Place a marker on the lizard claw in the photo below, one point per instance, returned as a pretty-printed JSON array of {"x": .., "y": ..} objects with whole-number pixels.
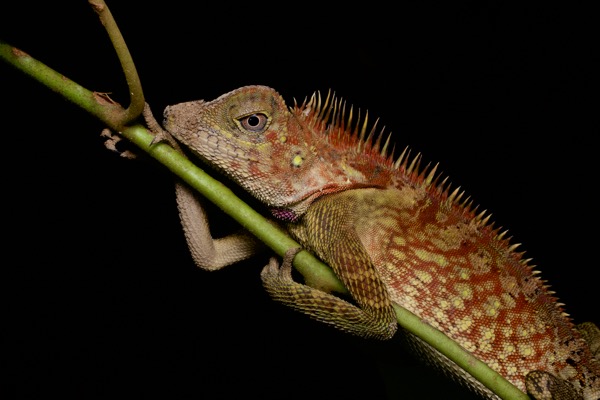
[
  {"x": 112, "y": 141},
  {"x": 272, "y": 271},
  {"x": 289, "y": 255},
  {"x": 160, "y": 135}
]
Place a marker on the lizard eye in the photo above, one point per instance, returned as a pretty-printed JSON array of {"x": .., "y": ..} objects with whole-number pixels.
[{"x": 254, "y": 122}]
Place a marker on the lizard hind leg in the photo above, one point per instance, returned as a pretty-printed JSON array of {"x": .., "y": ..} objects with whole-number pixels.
[
  {"x": 542, "y": 385},
  {"x": 319, "y": 305},
  {"x": 591, "y": 334}
]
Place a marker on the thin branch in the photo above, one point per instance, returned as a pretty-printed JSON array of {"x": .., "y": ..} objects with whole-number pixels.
[
  {"x": 136, "y": 94},
  {"x": 97, "y": 104}
]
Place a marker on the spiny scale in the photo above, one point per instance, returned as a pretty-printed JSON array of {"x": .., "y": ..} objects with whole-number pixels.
[{"x": 329, "y": 116}]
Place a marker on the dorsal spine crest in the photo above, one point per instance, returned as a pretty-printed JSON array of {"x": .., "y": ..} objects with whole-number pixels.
[{"x": 342, "y": 126}]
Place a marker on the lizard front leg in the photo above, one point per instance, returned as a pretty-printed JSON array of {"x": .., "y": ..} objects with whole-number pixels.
[
  {"x": 327, "y": 230},
  {"x": 207, "y": 252}
]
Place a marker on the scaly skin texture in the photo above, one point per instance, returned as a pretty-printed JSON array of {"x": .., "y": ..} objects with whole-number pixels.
[{"x": 392, "y": 233}]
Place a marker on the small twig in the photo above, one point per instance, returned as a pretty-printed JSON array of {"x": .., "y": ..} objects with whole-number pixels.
[{"x": 136, "y": 94}]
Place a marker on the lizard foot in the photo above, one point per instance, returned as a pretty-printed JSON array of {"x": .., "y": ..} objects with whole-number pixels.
[
  {"x": 160, "y": 135},
  {"x": 272, "y": 272},
  {"x": 544, "y": 386},
  {"x": 111, "y": 142}
]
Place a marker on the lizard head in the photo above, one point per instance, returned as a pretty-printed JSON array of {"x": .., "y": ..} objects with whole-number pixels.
[{"x": 285, "y": 157}]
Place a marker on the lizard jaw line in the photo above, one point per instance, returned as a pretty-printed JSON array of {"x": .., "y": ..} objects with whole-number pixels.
[{"x": 291, "y": 212}]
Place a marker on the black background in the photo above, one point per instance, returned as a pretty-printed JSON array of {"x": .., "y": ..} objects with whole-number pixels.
[{"x": 103, "y": 299}]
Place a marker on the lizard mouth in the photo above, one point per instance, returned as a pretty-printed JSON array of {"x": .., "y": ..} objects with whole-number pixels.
[{"x": 293, "y": 211}]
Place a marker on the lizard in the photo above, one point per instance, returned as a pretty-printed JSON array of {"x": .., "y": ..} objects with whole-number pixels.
[{"x": 393, "y": 232}]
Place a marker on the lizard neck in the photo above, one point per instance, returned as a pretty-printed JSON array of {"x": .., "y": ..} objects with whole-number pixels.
[{"x": 293, "y": 212}]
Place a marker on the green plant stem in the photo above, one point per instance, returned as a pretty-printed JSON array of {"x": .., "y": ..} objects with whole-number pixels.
[
  {"x": 136, "y": 93},
  {"x": 97, "y": 104}
]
